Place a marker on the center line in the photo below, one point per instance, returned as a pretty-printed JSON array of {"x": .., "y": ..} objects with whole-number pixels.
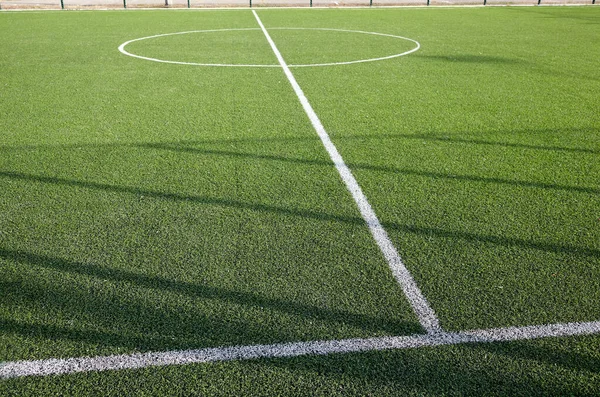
[{"x": 417, "y": 300}]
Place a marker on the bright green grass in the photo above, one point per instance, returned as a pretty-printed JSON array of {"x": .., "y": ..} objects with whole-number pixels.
[
  {"x": 220, "y": 47},
  {"x": 480, "y": 153},
  {"x": 153, "y": 207},
  {"x": 146, "y": 206},
  {"x": 237, "y": 46}
]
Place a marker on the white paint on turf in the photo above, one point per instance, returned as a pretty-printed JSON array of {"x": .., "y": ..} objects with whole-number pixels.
[
  {"x": 142, "y": 360},
  {"x": 424, "y": 312},
  {"x": 435, "y": 336},
  {"x": 416, "y": 48},
  {"x": 125, "y": 52}
]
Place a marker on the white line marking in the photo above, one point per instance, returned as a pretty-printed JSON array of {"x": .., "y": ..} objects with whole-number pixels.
[
  {"x": 125, "y": 52},
  {"x": 417, "y": 300},
  {"x": 142, "y": 360},
  {"x": 359, "y": 60}
]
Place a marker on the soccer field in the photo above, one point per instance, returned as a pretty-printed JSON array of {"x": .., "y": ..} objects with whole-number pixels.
[{"x": 297, "y": 201}]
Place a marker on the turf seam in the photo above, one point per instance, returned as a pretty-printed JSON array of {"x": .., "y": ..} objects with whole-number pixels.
[
  {"x": 65, "y": 366},
  {"x": 417, "y": 300}
]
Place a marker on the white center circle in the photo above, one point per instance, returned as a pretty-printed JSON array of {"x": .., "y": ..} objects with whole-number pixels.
[{"x": 415, "y": 48}]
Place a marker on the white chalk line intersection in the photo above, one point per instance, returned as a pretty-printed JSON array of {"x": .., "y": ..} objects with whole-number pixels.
[
  {"x": 417, "y": 300},
  {"x": 435, "y": 336},
  {"x": 47, "y": 367}
]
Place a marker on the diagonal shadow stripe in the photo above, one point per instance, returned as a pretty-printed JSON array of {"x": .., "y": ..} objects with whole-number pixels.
[
  {"x": 322, "y": 216},
  {"x": 451, "y": 140},
  {"x": 331, "y": 315},
  {"x": 433, "y": 137},
  {"x": 394, "y": 170}
]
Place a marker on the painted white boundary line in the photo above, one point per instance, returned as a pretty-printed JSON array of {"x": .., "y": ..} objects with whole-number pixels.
[
  {"x": 17, "y": 369},
  {"x": 417, "y": 300},
  {"x": 125, "y": 52}
]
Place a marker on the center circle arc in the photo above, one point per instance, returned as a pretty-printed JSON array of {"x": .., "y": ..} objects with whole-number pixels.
[{"x": 125, "y": 52}]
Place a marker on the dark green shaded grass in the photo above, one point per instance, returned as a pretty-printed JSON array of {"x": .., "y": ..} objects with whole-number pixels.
[
  {"x": 565, "y": 366},
  {"x": 479, "y": 153},
  {"x": 154, "y": 207}
]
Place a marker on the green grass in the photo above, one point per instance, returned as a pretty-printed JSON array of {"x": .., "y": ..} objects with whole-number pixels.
[
  {"x": 550, "y": 367},
  {"x": 131, "y": 222},
  {"x": 480, "y": 155},
  {"x": 149, "y": 207}
]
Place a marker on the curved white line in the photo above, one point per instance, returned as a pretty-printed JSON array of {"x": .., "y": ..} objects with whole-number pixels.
[
  {"x": 125, "y": 52},
  {"x": 359, "y": 60}
]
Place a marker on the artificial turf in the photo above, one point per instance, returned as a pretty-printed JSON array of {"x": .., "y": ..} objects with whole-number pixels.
[
  {"x": 148, "y": 206},
  {"x": 479, "y": 153},
  {"x": 550, "y": 367}
]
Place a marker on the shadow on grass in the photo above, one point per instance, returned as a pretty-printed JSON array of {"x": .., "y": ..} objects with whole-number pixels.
[
  {"x": 100, "y": 318},
  {"x": 563, "y": 14},
  {"x": 521, "y": 65},
  {"x": 536, "y": 351},
  {"x": 424, "y": 231},
  {"x": 332, "y": 316},
  {"x": 362, "y": 166},
  {"x": 452, "y": 139},
  {"x": 433, "y": 137},
  {"x": 188, "y": 147},
  {"x": 87, "y": 336},
  {"x": 497, "y": 240},
  {"x": 463, "y": 370},
  {"x": 469, "y": 369}
]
